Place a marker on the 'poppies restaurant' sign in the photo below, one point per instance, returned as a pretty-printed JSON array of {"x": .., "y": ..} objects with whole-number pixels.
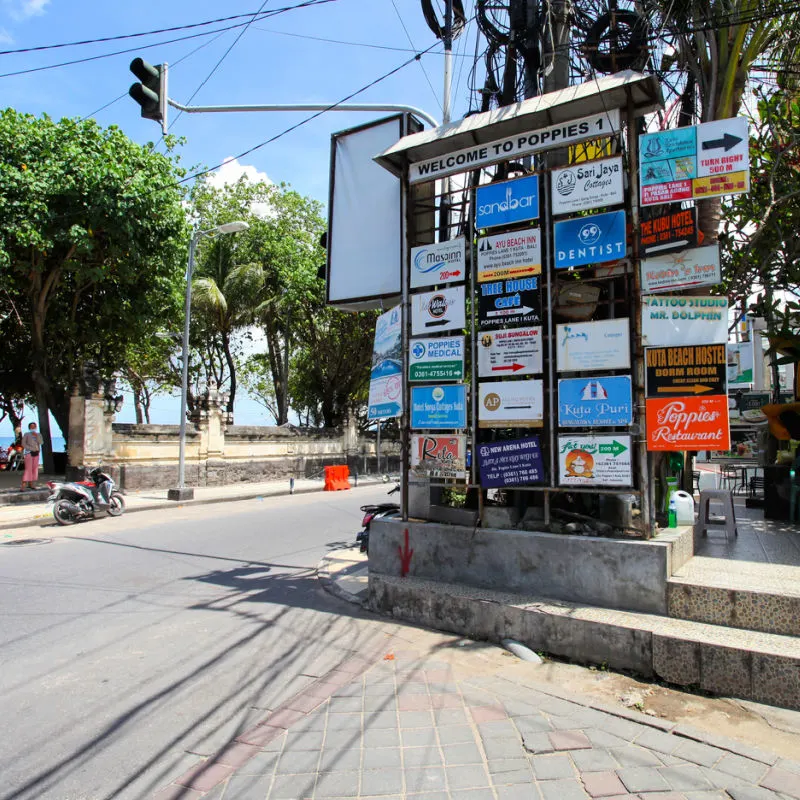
[{"x": 688, "y": 423}]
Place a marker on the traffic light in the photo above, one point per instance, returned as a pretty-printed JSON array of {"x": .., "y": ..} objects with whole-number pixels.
[{"x": 151, "y": 93}]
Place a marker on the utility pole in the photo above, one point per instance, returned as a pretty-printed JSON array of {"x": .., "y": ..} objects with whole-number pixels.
[
  {"x": 447, "y": 40},
  {"x": 555, "y": 45}
]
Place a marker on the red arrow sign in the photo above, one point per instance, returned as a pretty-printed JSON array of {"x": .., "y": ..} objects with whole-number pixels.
[
  {"x": 405, "y": 556},
  {"x": 513, "y": 367}
]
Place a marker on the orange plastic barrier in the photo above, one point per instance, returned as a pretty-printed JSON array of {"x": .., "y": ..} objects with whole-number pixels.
[{"x": 337, "y": 478}]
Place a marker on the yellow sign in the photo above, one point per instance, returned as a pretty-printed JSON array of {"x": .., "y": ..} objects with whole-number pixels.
[
  {"x": 591, "y": 150},
  {"x": 715, "y": 185}
]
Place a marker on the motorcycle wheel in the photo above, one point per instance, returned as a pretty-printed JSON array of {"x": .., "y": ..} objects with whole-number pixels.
[
  {"x": 63, "y": 513},
  {"x": 116, "y": 505}
]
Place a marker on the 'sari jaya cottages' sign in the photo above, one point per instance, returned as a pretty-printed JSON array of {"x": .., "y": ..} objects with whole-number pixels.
[
  {"x": 502, "y": 304},
  {"x": 436, "y": 359},
  {"x": 589, "y": 184},
  {"x": 386, "y": 380},
  {"x": 435, "y": 456},
  {"x": 510, "y": 404},
  {"x": 509, "y": 255},
  {"x": 676, "y": 319},
  {"x": 510, "y": 147},
  {"x": 687, "y": 370},
  {"x": 510, "y": 352},
  {"x": 436, "y": 312},
  {"x": 594, "y": 460},
  {"x": 582, "y": 346},
  {"x": 507, "y": 203},
  {"x": 595, "y": 402},
  {"x": 688, "y": 423},
  {"x": 433, "y": 264},
  {"x": 667, "y": 233},
  {"x": 590, "y": 240},
  {"x": 439, "y": 406},
  {"x": 688, "y": 269},
  {"x": 513, "y": 462}
]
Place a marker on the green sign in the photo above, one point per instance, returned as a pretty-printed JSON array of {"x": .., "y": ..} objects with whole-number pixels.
[
  {"x": 436, "y": 359},
  {"x": 615, "y": 448}
]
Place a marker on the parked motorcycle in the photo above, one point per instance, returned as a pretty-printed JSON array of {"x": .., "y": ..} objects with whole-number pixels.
[
  {"x": 80, "y": 500},
  {"x": 372, "y": 512}
]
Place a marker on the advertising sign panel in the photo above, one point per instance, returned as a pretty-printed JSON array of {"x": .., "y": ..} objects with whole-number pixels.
[
  {"x": 604, "y": 344},
  {"x": 436, "y": 312},
  {"x": 439, "y": 456},
  {"x": 590, "y": 184},
  {"x": 386, "y": 380},
  {"x": 676, "y": 319},
  {"x": 687, "y": 269},
  {"x": 510, "y": 404},
  {"x": 507, "y": 203},
  {"x": 432, "y": 264},
  {"x": 514, "y": 462},
  {"x": 594, "y": 460},
  {"x": 688, "y": 370},
  {"x": 439, "y": 406},
  {"x": 513, "y": 302},
  {"x": 740, "y": 363},
  {"x": 603, "y": 401},
  {"x": 590, "y": 240},
  {"x": 510, "y": 352},
  {"x": 688, "y": 423},
  {"x": 509, "y": 255},
  {"x": 668, "y": 232},
  {"x": 436, "y": 359},
  {"x": 515, "y": 146}
]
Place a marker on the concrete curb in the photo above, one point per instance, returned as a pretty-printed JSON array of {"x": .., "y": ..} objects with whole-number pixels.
[{"x": 329, "y": 584}]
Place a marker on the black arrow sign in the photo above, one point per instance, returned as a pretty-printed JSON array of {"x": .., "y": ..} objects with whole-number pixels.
[
  {"x": 727, "y": 141},
  {"x": 436, "y": 323}
]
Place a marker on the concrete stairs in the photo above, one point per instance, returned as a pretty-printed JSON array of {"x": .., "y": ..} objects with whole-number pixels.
[{"x": 702, "y": 654}]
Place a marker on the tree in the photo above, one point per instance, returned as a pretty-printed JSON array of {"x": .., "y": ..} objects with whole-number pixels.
[
  {"x": 92, "y": 247},
  {"x": 149, "y": 370}
]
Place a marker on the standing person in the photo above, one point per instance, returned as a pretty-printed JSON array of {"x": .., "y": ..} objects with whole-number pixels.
[{"x": 32, "y": 442}]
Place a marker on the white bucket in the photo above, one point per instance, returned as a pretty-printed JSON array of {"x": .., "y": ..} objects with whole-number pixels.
[{"x": 684, "y": 506}]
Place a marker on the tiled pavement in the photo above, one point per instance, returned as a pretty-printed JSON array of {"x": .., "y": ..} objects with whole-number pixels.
[{"x": 438, "y": 720}]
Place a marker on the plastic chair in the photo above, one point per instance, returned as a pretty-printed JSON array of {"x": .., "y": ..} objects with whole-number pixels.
[
  {"x": 729, "y": 477},
  {"x": 704, "y": 519}
]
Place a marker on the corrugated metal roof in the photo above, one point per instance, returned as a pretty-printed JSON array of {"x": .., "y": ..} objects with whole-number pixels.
[{"x": 593, "y": 97}]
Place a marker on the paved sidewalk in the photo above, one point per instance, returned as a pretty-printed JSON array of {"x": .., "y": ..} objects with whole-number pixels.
[{"x": 12, "y": 517}]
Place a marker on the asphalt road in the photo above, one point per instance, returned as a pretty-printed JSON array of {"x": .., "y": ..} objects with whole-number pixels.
[{"x": 129, "y": 646}]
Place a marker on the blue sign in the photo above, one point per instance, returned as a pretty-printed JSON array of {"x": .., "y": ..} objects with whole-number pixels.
[
  {"x": 590, "y": 240},
  {"x": 514, "y": 462},
  {"x": 439, "y": 406},
  {"x": 595, "y": 402},
  {"x": 508, "y": 202},
  {"x": 668, "y": 155}
]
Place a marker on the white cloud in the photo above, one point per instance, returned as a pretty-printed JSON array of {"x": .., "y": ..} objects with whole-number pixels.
[
  {"x": 24, "y": 9},
  {"x": 6, "y": 37},
  {"x": 232, "y": 171}
]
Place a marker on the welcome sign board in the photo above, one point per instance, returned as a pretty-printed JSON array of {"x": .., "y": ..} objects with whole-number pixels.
[
  {"x": 513, "y": 462},
  {"x": 436, "y": 359},
  {"x": 585, "y": 346},
  {"x": 432, "y": 264},
  {"x": 590, "y": 184},
  {"x": 594, "y": 460},
  {"x": 590, "y": 240},
  {"x": 507, "y": 203},
  {"x": 439, "y": 406},
  {"x": 439, "y": 456},
  {"x": 675, "y": 319},
  {"x": 502, "y": 304},
  {"x": 509, "y": 255},
  {"x": 688, "y": 269},
  {"x": 435, "y": 312},
  {"x": 510, "y": 404},
  {"x": 602, "y": 402},
  {"x": 511, "y": 352}
]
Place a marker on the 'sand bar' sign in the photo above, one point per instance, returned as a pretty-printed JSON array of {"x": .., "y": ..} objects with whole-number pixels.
[
  {"x": 481, "y": 155},
  {"x": 689, "y": 370}
]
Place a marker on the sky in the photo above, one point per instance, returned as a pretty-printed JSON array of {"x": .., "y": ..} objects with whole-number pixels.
[{"x": 265, "y": 65}]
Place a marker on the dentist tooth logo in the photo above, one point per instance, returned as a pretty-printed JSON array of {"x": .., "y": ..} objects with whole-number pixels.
[{"x": 589, "y": 233}]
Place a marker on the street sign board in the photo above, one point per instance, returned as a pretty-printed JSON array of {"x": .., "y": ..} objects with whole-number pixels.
[
  {"x": 511, "y": 302},
  {"x": 689, "y": 269},
  {"x": 595, "y": 402},
  {"x": 439, "y": 406},
  {"x": 516, "y": 146},
  {"x": 386, "y": 380},
  {"x": 590, "y": 240},
  {"x": 589, "y": 184},
  {"x": 507, "y": 202},
  {"x": 433, "y": 264},
  {"x": 688, "y": 423},
  {"x": 667, "y": 233},
  {"x": 436, "y": 359},
  {"x": 512, "y": 462},
  {"x": 688, "y": 370},
  {"x": 740, "y": 363},
  {"x": 585, "y": 346},
  {"x": 705, "y": 160},
  {"x": 436, "y": 456},
  {"x": 510, "y": 404},
  {"x": 509, "y": 255},
  {"x": 439, "y": 311},
  {"x": 677, "y": 319},
  {"x": 510, "y": 352},
  {"x": 588, "y": 460}
]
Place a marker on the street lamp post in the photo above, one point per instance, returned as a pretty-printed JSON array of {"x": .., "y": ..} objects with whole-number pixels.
[{"x": 182, "y": 492}]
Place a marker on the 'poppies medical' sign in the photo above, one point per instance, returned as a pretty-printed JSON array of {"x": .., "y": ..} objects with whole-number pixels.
[
  {"x": 436, "y": 359},
  {"x": 590, "y": 240}
]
